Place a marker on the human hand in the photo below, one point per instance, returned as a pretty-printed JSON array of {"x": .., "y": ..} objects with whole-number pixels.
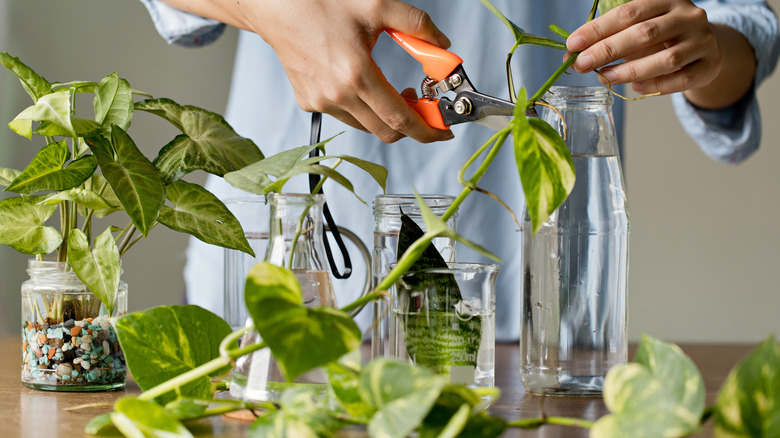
[
  {"x": 325, "y": 48},
  {"x": 668, "y": 46}
]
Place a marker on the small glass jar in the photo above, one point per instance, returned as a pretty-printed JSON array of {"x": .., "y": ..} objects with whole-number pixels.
[{"x": 68, "y": 341}]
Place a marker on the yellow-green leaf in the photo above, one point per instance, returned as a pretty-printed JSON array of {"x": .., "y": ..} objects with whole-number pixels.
[{"x": 98, "y": 269}]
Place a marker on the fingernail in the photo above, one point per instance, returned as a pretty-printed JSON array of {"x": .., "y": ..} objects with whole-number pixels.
[
  {"x": 584, "y": 63},
  {"x": 448, "y": 136},
  {"x": 575, "y": 43},
  {"x": 444, "y": 42},
  {"x": 638, "y": 87},
  {"x": 610, "y": 75}
]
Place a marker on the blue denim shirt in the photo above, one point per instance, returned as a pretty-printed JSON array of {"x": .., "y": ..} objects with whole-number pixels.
[{"x": 262, "y": 106}]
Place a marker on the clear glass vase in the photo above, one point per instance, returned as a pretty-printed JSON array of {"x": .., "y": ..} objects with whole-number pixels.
[
  {"x": 68, "y": 341},
  {"x": 575, "y": 277}
]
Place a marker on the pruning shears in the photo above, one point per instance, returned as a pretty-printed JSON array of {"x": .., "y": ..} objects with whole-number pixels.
[{"x": 445, "y": 72}]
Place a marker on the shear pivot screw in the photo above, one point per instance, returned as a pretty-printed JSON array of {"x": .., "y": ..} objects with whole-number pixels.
[
  {"x": 455, "y": 80},
  {"x": 463, "y": 106}
]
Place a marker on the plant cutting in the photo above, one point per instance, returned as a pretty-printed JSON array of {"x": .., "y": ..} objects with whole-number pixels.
[{"x": 89, "y": 168}]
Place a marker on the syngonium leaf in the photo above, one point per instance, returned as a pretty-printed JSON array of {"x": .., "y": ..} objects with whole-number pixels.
[
  {"x": 7, "y": 175},
  {"x": 82, "y": 197},
  {"x": 544, "y": 162},
  {"x": 52, "y": 108},
  {"x": 99, "y": 269},
  {"x": 661, "y": 394},
  {"x": 133, "y": 178},
  {"x": 165, "y": 341},
  {"x": 141, "y": 418},
  {"x": 46, "y": 172},
  {"x": 207, "y": 142},
  {"x": 198, "y": 212},
  {"x": 113, "y": 102},
  {"x": 98, "y": 185},
  {"x": 81, "y": 126},
  {"x": 23, "y": 226},
  {"x": 402, "y": 394},
  {"x": 300, "y": 338},
  {"x": 748, "y": 403},
  {"x": 34, "y": 84}
]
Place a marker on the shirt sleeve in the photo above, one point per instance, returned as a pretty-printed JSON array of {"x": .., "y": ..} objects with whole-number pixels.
[
  {"x": 182, "y": 28},
  {"x": 730, "y": 135}
]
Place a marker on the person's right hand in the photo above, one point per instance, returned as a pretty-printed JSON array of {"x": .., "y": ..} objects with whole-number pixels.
[{"x": 325, "y": 49}]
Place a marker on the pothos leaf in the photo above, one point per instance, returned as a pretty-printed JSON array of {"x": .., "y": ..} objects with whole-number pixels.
[
  {"x": 35, "y": 85},
  {"x": 301, "y": 415},
  {"x": 23, "y": 226},
  {"x": 141, "y": 418},
  {"x": 207, "y": 142},
  {"x": 98, "y": 269},
  {"x": 661, "y": 394},
  {"x": 748, "y": 403},
  {"x": 544, "y": 163},
  {"x": 46, "y": 172},
  {"x": 163, "y": 342},
  {"x": 300, "y": 338}
]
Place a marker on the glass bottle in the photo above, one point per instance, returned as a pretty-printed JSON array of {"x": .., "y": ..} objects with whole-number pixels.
[
  {"x": 68, "y": 341},
  {"x": 387, "y": 225},
  {"x": 575, "y": 273},
  {"x": 295, "y": 242}
]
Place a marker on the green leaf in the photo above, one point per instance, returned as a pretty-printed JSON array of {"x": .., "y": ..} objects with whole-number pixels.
[
  {"x": 376, "y": 171},
  {"x": 45, "y": 171},
  {"x": 300, "y": 338},
  {"x": 77, "y": 86},
  {"x": 98, "y": 185},
  {"x": 257, "y": 177},
  {"x": 133, "y": 178},
  {"x": 544, "y": 162},
  {"x": 52, "y": 108},
  {"x": 82, "y": 126},
  {"x": 344, "y": 383},
  {"x": 23, "y": 226},
  {"x": 451, "y": 401},
  {"x": 607, "y": 5},
  {"x": 163, "y": 342},
  {"x": 185, "y": 408},
  {"x": 145, "y": 419},
  {"x": 113, "y": 102},
  {"x": 198, "y": 212},
  {"x": 34, "y": 84},
  {"x": 660, "y": 395},
  {"x": 208, "y": 142},
  {"x": 98, "y": 269},
  {"x": 404, "y": 395},
  {"x": 517, "y": 32},
  {"x": 7, "y": 175},
  {"x": 748, "y": 403},
  {"x": 301, "y": 415},
  {"x": 101, "y": 425},
  {"x": 82, "y": 197}
]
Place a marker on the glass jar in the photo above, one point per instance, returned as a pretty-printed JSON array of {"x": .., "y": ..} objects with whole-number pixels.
[
  {"x": 68, "y": 341},
  {"x": 575, "y": 276},
  {"x": 387, "y": 225}
]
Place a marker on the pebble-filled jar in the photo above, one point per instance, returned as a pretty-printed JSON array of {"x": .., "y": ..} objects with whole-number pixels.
[{"x": 68, "y": 341}]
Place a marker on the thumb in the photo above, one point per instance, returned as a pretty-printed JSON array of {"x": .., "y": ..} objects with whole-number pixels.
[{"x": 405, "y": 18}]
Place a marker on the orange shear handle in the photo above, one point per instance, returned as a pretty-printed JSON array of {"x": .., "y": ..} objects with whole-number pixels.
[{"x": 437, "y": 63}]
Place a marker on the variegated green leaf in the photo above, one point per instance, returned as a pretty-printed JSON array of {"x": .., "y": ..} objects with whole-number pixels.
[
  {"x": 82, "y": 197},
  {"x": 748, "y": 403},
  {"x": 140, "y": 418},
  {"x": 376, "y": 171},
  {"x": 164, "y": 342},
  {"x": 34, "y": 84},
  {"x": 544, "y": 162},
  {"x": 100, "y": 186},
  {"x": 82, "y": 126},
  {"x": 402, "y": 393},
  {"x": 133, "y": 178},
  {"x": 607, "y": 5},
  {"x": 301, "y": 415},
  {"x": 98, "y": 269},
  {"x": 23, "y": 226},
  {"x": 256, "y": 177},
  {"x": 77, "y": 86},
  {"x": 199, "y": 213},
  {"x": 113, "y": 102},
  {"x": 661, "y": 394},
  {"x": 7, "y": 175},
  {"x": 300, "y": 338},
  {"x": 46, "y": 171},
  {"x": 52, "y": 108},
  {"x": 208, "y": 142}
]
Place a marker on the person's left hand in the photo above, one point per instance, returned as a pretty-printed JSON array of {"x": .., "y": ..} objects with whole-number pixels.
[{"x": 668, "y": 46}]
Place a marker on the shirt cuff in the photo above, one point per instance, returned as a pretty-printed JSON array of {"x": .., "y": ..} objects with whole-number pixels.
[{"x": 182, "y": 28}]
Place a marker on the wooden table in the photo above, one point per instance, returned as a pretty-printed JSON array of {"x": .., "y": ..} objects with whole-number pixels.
[{"x": 27, "y": 413}]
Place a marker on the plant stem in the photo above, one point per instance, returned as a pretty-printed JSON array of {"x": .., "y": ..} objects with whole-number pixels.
[
  {"x": 130, "y": 230},
  {"x": 369, "y": 297},
  {"x": 534, "y": 423}
]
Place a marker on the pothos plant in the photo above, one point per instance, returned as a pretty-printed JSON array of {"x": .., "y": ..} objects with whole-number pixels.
[{"x": 660, "y": 394}]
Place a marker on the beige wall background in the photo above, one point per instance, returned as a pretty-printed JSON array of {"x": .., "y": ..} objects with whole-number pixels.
[{"x": 705, "y": 240}]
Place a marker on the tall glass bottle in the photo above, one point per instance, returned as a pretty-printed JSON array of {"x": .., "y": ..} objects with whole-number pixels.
[{"x": 574, "y": 314}]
